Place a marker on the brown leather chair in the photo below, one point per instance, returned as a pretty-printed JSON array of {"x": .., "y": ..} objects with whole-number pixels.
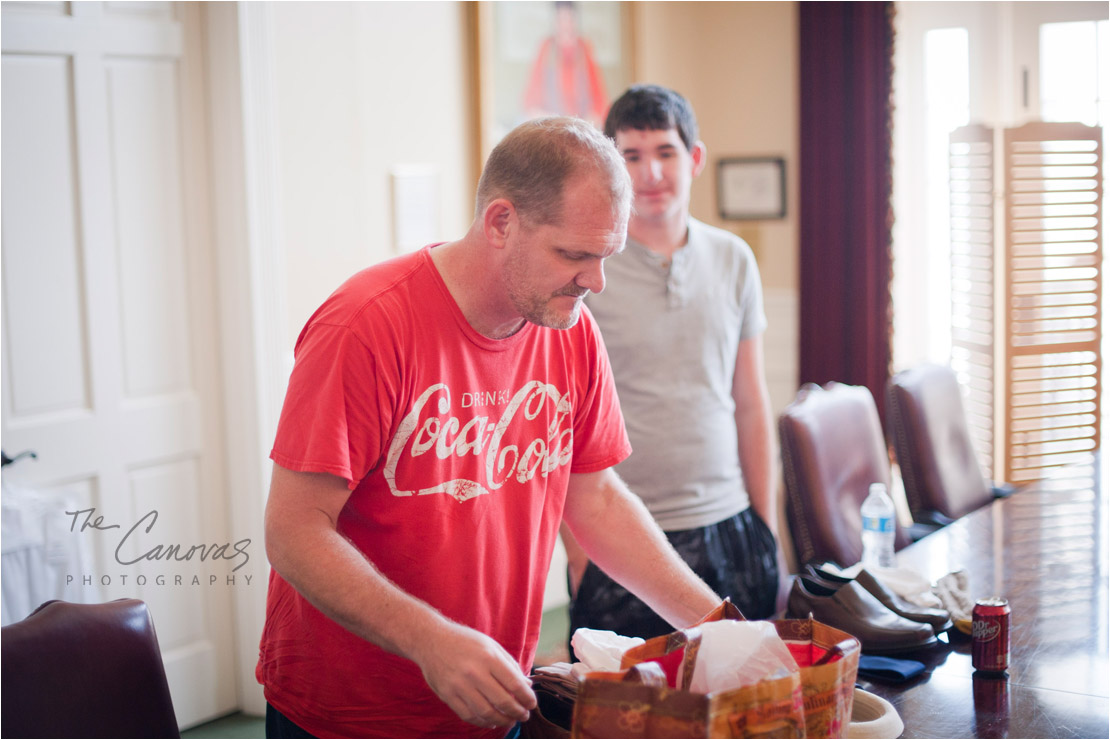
[
  {"x": 85, "y": 670},
  {"x": 933, "y": 445},
  {"x": 833, "y": 449}
]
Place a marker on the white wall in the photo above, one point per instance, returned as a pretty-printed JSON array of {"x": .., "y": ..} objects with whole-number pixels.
[{"x": 361, "y": 88}]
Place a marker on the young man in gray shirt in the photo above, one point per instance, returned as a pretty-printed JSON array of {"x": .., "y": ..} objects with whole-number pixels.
[{"x": 682, "y": 318}]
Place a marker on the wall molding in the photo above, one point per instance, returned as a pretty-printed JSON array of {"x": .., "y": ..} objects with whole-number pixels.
[{"x": 251, "y": 289}]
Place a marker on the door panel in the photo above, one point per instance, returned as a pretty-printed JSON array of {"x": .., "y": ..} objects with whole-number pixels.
[
  {"x": 39, "y": 195},
  {"x": 145, "y": 144}
]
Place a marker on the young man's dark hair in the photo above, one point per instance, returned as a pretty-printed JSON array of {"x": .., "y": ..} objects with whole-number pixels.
[{"x": 653, "y": 108}]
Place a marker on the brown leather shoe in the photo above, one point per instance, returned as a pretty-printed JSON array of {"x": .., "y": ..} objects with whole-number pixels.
[
  {"x": 938, "y": 619},
  {"x": 852, "y": 609}
]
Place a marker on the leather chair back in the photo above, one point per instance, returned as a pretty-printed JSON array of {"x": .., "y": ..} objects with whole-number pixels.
[
  {"x": 85, "y": 670},
  {"x": 833, "y": 449},
  {"x": 933, "y": 443}
]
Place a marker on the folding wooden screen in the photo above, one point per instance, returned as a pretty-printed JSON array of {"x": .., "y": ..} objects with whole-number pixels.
[
  {"x": 971, "y": 193},
  {"x": 1053, "y": 294},
  {"x": 1030, "y": 357}
]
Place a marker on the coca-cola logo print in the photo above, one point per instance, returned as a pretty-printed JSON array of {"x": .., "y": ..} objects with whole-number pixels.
[{"x": 434, "y": 427}]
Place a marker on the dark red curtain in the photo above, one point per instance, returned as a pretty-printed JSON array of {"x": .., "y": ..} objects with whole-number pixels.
[{"x": 846, "y": 75}]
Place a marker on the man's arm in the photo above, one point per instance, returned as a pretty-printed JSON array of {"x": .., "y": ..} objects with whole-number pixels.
[
  {"x": 755, "y": 431},
  {"x": 616, "y": 531},
  {"x": 577, "y": 560},
  {"x": 469, "y": 671}
]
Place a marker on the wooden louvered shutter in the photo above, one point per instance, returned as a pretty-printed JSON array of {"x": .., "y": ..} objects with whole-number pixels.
[
  {"x": 1053, "y": 366},
  {"x": 971, "y": 193}
]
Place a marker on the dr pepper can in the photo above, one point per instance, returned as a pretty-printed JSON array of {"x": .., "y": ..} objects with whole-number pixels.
[{"x": 990, "y": 635}]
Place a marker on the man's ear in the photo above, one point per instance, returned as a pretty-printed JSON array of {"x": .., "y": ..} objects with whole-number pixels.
[
  {"x": 700, "y": 157},
  {"x": 498, "y": 220}
]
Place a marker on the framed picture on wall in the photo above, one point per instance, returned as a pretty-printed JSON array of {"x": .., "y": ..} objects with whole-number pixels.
[
  {"x": 549, "y": 58},
  {"x": 751, "y": 188}
]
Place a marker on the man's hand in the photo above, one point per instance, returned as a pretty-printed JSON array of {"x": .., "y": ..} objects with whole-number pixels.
[
  {"x": 468, "y": 670},
  {"x": 476, "y": 677}
]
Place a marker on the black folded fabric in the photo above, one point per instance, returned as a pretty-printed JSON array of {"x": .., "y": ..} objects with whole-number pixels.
[{"x": 895, "y": 670}]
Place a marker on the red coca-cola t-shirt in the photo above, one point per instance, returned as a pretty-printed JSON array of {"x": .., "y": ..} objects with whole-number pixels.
[{"x": 457, "y": 449}]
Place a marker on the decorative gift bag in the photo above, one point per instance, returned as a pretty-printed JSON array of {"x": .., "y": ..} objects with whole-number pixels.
[
  {"x": 828, "y": 659},
  {"x": 652, "y": 696},
  {"x": 638, "y": 703}
]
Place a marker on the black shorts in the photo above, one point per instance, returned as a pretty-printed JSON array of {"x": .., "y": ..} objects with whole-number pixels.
[
  {"x": 736, "y": 557},
  {"x": 280, "y": 726}
]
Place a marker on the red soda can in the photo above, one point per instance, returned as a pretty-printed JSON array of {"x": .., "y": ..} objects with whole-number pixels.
[{"x": 990, "y": 635}]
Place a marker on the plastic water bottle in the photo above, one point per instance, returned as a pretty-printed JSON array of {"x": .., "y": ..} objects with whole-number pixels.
[{"x": 877, "y": 513}]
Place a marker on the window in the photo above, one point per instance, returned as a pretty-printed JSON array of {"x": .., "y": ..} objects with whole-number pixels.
[{"x": 998, "y": 64}]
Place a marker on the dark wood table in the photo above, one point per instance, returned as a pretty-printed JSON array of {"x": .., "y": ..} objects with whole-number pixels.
[{"x": 1044, "y": 549}]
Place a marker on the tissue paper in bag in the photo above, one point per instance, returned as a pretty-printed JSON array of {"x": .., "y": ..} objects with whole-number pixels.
[
  {"x": 601, "y": 650},
  {"x": 734, "y": 654}
]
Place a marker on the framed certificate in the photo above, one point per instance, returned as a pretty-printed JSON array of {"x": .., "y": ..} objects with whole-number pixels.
[{"x": 751, "y": 188}]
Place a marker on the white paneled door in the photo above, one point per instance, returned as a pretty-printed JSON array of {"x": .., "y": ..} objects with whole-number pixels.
[{"x": 110, "y": 363}]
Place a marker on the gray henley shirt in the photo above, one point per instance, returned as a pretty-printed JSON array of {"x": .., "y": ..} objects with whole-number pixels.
[{"x": 672, "y": 332}]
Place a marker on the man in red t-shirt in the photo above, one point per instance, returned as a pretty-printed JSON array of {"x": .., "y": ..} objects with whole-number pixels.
[{"x": 446, "y": 411}]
